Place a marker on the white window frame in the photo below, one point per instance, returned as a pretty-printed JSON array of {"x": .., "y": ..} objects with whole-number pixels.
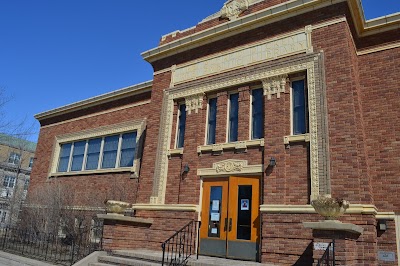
[
  {"x": 177, "y": 124},
  {"x": 291, "y": 102},
  {"x": 101, "y": 132},
  {"x": 251, "y": 110},
  {"x": 207, "y": 116},
  {"x": 228, "y": 110}
]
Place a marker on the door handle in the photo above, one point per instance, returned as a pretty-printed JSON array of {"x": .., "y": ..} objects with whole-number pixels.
[
  {"x": 226, "y": 224},
  {"x": 230, "y": 224}
]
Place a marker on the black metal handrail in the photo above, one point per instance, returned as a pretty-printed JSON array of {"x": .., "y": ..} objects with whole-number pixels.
[
  {"x": 180, "y": 246},
  {"x": 328, "y": 258},
  {"x": 58, "y": 248}
]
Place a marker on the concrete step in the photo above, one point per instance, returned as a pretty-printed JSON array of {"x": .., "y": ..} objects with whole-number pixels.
[
  {"x": 142, "y": 254},
  {"x": 156, "y": 257},
  {"x": 98, "y": 264},
  {"x": 116, "y": 260}
]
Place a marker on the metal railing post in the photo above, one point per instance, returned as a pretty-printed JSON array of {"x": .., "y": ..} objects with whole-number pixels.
[
  {"x": 333, "y": 251},
  {"x": 198, "y": 239},
  {"x": 163, "y": 253}
]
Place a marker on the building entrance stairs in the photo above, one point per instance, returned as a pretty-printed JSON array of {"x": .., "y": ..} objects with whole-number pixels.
[{"x": 153, "y": 258}]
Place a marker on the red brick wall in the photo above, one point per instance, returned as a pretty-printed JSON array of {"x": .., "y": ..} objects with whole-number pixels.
[
  {"x": 125, "y": 235},
  {"x": 99, "y": 186}
]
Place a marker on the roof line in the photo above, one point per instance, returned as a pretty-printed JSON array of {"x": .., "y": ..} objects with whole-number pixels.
[{"x": 96, "y": 100}]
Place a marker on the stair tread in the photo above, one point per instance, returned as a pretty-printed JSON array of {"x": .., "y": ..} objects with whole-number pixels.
[
  {"x": 140, "y": 254},
  {"x": 99, "y": 264},
  {"x": 126, "y": 261}
]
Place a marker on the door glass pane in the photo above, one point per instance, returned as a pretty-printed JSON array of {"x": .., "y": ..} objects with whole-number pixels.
[
  {"x": 244, "y": 212},
  {"x": 214, "y": 219}
]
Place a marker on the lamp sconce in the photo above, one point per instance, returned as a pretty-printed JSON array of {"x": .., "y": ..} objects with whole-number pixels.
[
  {"x": 272, "y": 162},
  {"x": 382, "y": 225},
  {"x": 185, "y": 169}
]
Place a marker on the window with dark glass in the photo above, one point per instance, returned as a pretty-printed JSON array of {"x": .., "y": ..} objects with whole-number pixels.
[
  {"x": 181, "y": 126},
  {"x": 9, "y": 181},
  {"x": 212, "y": 120},
  {"x": 110, "y": 151},
  {"x": 128, "y": 148},
  {"x": 64, "y": 157},
  {"x": 257, "y": 114},
  {"x": 233, "y": 117},
  {"x": 93, "y": 154},
  {"x": 14, "y": 158},
  {"x": 78, "y": 153},
  {"x": 104, "y": 152},
  {"x": 299, "y": 107}
]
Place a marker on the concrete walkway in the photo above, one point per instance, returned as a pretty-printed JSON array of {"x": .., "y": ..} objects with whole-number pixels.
[{"x": 8, "y": 259}]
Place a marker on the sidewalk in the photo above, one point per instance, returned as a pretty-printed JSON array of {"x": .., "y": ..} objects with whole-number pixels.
[{"x": 8, "y": 259}]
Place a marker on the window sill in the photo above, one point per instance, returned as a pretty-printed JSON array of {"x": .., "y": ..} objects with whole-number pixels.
[
  {"x": 98, "y": 171},
  {"x": 296, "y": 138},
  {"x": 173, "y": 152},
  {"x": 238, "y": 145}
]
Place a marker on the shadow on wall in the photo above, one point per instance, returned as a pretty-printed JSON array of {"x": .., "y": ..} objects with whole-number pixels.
[{"x": 307, "y": 257}]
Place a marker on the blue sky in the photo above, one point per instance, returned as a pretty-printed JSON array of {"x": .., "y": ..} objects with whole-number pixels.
[{"x": 53, "y": 53}]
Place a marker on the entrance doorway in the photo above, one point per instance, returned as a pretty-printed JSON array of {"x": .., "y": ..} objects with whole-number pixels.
[{"x": 230, "y": 218}]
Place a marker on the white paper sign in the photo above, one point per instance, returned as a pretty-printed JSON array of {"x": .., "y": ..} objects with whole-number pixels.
[
  {"x": 244, "y": 204},
  {"x": 215, "y": 217},
  {"x": 320, "y": 246},
  {"x": 214, "y": 231},
  {"x": 215, "y": 205}
]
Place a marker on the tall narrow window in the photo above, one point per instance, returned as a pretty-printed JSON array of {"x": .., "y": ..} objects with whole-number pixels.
[
  {"x": 233, "y": 117},
  {"x": 257, "y": 114},
  {"x": 212, "y": 120},
  {"x": 299, "y": 107},
  {"x": 110, "y": 151},
  {"x": 128, "y": 148},
  {"x": 181, "y": 126},
  {"x": 64, "y": 157},
  {"x": 77, "y": 155},
  {"x": 93, "y": 154}
]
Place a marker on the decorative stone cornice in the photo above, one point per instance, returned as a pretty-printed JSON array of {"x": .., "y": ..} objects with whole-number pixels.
[
  {"x": 228, "y": 167},
  {"x": 274, "y": 85},
  {"x": 194, "y": 103},
  {"x": 233, "y": 8}
]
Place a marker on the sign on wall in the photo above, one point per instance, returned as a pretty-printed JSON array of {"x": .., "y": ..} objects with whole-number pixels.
[{"x": 386, "y": 256}]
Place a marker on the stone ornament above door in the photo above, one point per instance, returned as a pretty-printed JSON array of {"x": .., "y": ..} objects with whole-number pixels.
[{"x": 229, "y": 167}]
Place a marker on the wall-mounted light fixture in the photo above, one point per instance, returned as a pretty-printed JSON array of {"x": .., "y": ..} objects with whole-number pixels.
[
  {"x": 272, "y": 162},
  {"x": 382, "y": 225},
  {"x": 185, "y": 169}
]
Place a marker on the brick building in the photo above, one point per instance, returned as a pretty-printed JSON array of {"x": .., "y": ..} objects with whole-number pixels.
[
  {"x": 251, "y": 114},
  {"x": 16, "y": 160}
]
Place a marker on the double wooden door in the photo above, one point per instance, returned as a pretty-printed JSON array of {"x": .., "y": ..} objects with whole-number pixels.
[{"x": 230, "y": 218}]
